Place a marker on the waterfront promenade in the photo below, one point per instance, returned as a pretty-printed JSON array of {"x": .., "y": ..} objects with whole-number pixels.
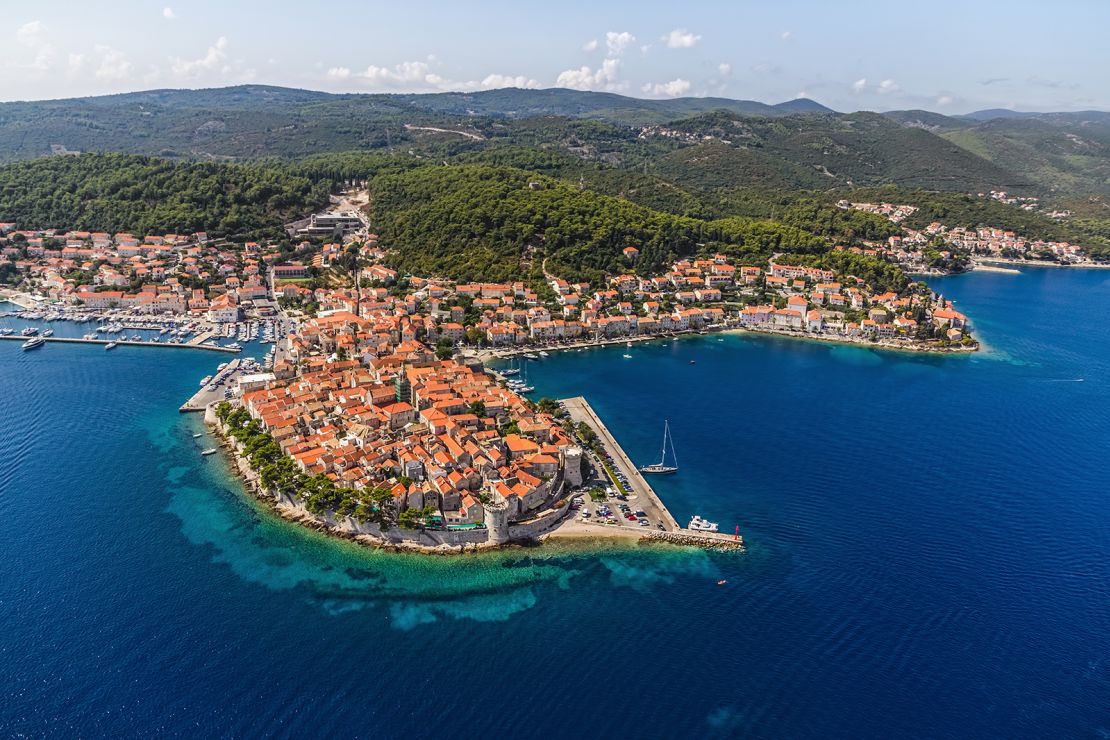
[{"x": 128, "y": 342}]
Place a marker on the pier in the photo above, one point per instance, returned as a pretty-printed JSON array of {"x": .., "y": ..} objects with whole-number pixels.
[
  {"x": 204, "y": 397},
  {"x": 580, "y": 411},
  {"x": 646, "y": 497},
  {"x": 122, "y": 342}
]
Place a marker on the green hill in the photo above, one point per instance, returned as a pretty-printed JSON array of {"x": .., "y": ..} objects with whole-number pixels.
[
  {"x": 478, "y": 222},
  {"x": 145, "y": 195}
]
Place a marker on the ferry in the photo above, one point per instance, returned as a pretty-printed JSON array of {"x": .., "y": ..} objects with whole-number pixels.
[
  {"x": 697, "y": 524},
  {"x": 209, "y": 451},
  {"x": 110, "y": 345},
  {"x": 33, "y": 343}
]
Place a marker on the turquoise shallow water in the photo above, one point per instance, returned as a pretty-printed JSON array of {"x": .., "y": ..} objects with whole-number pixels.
[{"x": 928, "y": 555}]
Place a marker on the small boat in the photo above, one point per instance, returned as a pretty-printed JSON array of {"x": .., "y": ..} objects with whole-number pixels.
[
  {"x": 48, "y": 333},
  {"x": 110, "y": 345},
  {"x": 697, "y": 524},
  {"x": 661, "y": 467},
  {"x": 531, "y": 356},
  {"x": 721, "y": 582},
  {"x": 30, "y": 331},
  {"x": 693, "y": 362},
  {"x": 209, "y": 451},
  {"x": 628, "y": 344},
  {"x": 627, "y": 357},
  {"x": 544, "y": 354},
  {"x": 33, "y": 343},
  {"x": 198, "y": 435}
]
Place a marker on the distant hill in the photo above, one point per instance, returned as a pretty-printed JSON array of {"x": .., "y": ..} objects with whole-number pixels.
[
  {"x": 794, "y": 144},
  {"x": 518, "y": 103},
  {"x": 1059, "y": 153},
  {"x": 856, "y": 149},
  {"x": 802, "y": 105}
]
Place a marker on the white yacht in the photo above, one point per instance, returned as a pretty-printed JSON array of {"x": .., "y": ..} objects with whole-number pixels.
[{"x": 697, "y": 524}]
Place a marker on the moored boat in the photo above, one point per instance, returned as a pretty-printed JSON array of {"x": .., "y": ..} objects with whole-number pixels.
[
  {"x": 697, "y": 524},
  {"x": 662, "y": 467},
  {"x": 33, "y": 343}
]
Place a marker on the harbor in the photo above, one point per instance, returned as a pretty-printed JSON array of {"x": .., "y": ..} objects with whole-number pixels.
[
  {"x": 126, "y": 342},
  {"x": 668, "y": 529}
]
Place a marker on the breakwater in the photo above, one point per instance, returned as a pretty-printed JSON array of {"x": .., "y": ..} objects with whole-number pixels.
[{"x": 127, "y": 342}]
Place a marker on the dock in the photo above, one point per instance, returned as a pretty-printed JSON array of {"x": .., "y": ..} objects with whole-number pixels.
[
  {"x": 204, "y": 397},
  {"x": 581, "y": 411},
  {"x": 647, "y": 499},
  {"x": 127, "y": 342}
]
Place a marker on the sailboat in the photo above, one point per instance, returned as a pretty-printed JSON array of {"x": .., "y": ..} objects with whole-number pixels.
[{"x": 661, "y": 467}]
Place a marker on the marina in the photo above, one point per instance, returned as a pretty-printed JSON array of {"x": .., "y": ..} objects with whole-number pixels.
[{"x": 123, "y": 342}]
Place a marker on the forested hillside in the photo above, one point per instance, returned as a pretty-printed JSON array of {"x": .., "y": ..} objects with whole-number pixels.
[
  {"x": 480, "y": 222},
  {"x": 117, "y": 192}
]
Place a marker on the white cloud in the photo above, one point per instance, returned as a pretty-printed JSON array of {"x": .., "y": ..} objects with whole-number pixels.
[
  {"x": 617, "y": 42},
  {"x": 859, "y": 85},
  {"x": 496, "y": 80},
  {"x": 671, "y": 89},
  {"x": 801, "y": 94},
  {"x": 888, "y": 86},
  {"x": 680, "y": 38},
  {"x": 168, "y": 14},
  {"x": 75, "y": 63},
  {"x": 584, "y": 78},
  {"x": 33, "y": 36},
  {"x": 212, "y": 60},
  {"x": 405, "y": 74},
  {"x": 590, "y": 45},
  {"x": 114, "y": 64},
  {"x": 724, "y": 69},
  {"x": 944, "y": 100},
  {"x": 786, "y": 35},
  {"x": 339, "y": 73}
]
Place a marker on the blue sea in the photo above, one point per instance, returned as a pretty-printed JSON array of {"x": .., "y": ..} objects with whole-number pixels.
[{"x": 929, "y": 554}]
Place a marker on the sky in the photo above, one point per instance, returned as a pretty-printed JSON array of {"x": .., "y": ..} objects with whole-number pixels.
[{"x": 947, "y": 56}]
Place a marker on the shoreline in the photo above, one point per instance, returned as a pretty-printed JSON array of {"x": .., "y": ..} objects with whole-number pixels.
[
  {"x": 503, "y": 354},
  {"x": 1038, "y": 263},
  {"x": 565, "y": 528}
]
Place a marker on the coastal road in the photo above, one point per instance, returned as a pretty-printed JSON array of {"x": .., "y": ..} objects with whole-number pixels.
[{"x": 646, "y": 498}]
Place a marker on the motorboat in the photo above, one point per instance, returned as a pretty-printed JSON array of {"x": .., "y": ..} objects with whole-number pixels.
[{"x": 697, "y": 524}]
